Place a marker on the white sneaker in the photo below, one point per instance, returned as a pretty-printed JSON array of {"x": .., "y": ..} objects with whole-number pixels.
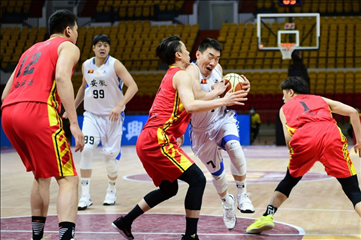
[
  {"x": 244, "y": 203},
  {"x": 229, "y": 217},
  {"x": 111, "y": 197},
  {"x": 84, "y": 202}
]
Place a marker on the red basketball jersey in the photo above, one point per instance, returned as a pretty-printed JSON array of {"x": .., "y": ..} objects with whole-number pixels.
[
  {"x": 167, "y": 111},
  {"x": 303, "y": 109},
  {"x": 34, "y": 76}
]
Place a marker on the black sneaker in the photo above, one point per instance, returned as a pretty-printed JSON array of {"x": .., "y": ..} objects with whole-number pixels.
[
  {"x": 192, "y": 237},
  {"x": 120, "y": 225}
]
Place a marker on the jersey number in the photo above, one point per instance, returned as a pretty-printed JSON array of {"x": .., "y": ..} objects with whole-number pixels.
[
  {"x": 98, "y": 93},
  {"x": 34, "y": 58},
  {"x": 89, "y": 139},
  {"x": 210, "y": 162}
]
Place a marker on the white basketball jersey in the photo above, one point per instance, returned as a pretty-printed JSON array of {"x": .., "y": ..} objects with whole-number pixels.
[
  {"x": 205, "y": 120},
  {"x": 104, "y": 88}
]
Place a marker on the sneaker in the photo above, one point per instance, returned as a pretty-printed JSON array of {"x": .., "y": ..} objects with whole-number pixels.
[
  {"x": 244, "y": 203},
  {"x": 229, "y": 217},
  {"x": 110, "y": 198},
  {"x": 120, "y": 225},
  {"x": 192, "y": 237},
  {"x": 261, "y": 224},
  {"x": 84, "y": 202}
]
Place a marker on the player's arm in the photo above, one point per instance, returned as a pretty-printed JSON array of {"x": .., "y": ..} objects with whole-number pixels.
[
  {"x": 80, "y": 94},
  {"x": 8, "y": 86},
  {"x": 218, "y": 88},
  {"x": 81, "y": 91},
  {"x": 68, "y": 56},
  {"x": 346, "y": 110},
  {"x": 128, "y": 80},
  {"x": 183, "y": 83},
  {"x": 285, "y": 131}
]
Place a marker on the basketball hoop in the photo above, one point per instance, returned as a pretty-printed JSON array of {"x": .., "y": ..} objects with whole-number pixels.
[{"x": 287, "y": 49}]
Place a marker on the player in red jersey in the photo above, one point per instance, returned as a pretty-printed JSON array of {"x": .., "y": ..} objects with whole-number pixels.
[
  {"x": 164, "y": 161},
  {"x": 312, "y": 135},
  {"x": 32, "y": 121}
]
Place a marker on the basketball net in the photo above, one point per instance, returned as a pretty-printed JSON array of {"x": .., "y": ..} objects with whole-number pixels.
[{"x": 287, "y": 49}]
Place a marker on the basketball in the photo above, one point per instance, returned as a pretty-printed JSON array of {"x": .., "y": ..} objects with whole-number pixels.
[{"x": 236, "y": 82}]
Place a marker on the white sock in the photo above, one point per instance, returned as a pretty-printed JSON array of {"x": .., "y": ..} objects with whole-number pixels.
[
  {"x": 85, "y": 185},
  {"x": 227, "y": 200},
  {"x": 241, "y": 187},
  {"x": 112, "y": 185}
]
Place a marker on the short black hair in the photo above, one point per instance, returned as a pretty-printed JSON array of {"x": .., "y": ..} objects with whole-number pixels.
[
  {"x": 209, "y": 43},
  {"x": 101, "y": 38},
  {"x": 59, "y": 20},
  {"x": 167, "y": 48},
  {"x": 297, "y": 84}
]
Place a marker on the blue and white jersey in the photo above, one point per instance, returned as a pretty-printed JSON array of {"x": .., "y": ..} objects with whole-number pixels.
[
  {"x": 204, "y": 121},
  {"x": 104, "y": 88}
]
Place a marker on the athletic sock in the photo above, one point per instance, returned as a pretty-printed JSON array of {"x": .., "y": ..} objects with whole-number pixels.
[
  {"x": 271, "y": 210},
  {"x": 241, "y": 187},
  {"x": 85, "y": 185},
  {"x": 191, "y": 226},
  {"x": 133, "y": 214},
  {"x": 111, "y": 185},
  {"x": 38, "y": 224},
  {"x": 227, "y": 200},
  {"x": 66, "y": 230}
]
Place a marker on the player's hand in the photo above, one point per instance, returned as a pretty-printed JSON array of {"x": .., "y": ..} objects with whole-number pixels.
[
  {"x": 78, "y": 136},
  {"x": 357, "y": 148},
  {"x": 180, "y": 141},
  {"x": 235, "y": 98},
  {"x": 220, "y": 87},
  {"x": 246, "y": 84},
  {"x": 114, "y": 115},
  {"x": 65, "y": 115}
]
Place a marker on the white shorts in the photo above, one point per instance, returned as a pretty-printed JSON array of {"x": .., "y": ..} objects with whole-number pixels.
[
  {"x": 208, "y": 145},
  {"x": 98, "y": 128}
]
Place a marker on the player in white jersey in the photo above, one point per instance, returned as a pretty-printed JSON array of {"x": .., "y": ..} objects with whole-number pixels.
[
  {"x": 217, "y": 130},
  {"x": 104, "y": 104}
]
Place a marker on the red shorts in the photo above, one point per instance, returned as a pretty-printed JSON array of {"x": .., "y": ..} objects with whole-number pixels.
[
  {"x": 322, "y": 142},
  {"x": 36, "y": 132},
  {"x": 161, "y": 156}
]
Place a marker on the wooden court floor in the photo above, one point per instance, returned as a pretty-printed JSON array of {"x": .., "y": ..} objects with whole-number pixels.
[{"x": 317, "y": 205}]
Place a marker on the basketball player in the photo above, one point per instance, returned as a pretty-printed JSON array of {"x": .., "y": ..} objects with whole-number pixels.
[
  {"x": 104, "y": 104},
  {"x": 217, "y": 130},
  {"x": 312, "y": 135},
  {"x": 164, "y": 161},
  {"x": 32, "y": 121}
]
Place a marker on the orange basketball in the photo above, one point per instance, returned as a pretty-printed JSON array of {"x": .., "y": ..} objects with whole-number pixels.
[{"x": 236, "y": 82}]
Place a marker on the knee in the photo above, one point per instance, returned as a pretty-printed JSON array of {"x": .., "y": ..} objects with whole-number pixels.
[
  {"x": 112, "y": 167},
  {"x": 351, "y": 188},
  {"x": 168, "y": 189},
  {"x": 287, "y": 184}
]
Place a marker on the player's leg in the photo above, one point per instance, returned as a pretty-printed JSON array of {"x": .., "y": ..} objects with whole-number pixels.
[
  {"x": 351, "y": 188},
  {"x": 280, "y": 195},
  {"x": 92, "y": 139},
  {"x": 112, "y": 153},
  {"x": 166, "y": 190},
  {"x": 230, "y": 142},
  {"x": 193, "y": 200},
  {"x": 39, "y": 200},
  {"x": 67, "y": 206},
  {"x": 210, "y": 154},
  {"x": 338, "y": 164}
]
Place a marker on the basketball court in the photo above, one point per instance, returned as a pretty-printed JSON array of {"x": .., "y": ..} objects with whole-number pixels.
[{"x": 317, "y": 208}]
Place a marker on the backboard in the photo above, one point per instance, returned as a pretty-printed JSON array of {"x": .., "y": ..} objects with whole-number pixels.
[{"x": 302, "y": 29}]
